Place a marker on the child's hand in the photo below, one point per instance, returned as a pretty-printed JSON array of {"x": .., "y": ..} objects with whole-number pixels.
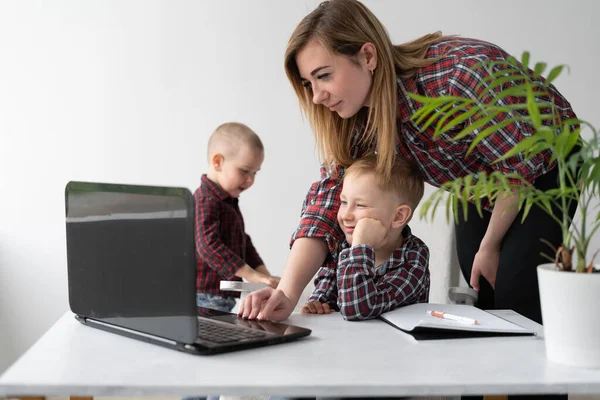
[
  {"x": 316, "y": 307},
  {"x": 272, "y": 281},
  {"x": 369, "y": 231},
  {"x": 261, "y": 277}
]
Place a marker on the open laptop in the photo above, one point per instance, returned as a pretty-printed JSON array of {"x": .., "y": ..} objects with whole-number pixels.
[{"x": 132, "y": 271}]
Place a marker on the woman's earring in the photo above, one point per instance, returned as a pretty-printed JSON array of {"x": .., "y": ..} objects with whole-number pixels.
[{"x": 372, "y": 72}]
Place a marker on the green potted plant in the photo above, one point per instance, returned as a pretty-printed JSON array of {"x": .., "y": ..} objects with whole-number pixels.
[{"x": 569, "y": 286}]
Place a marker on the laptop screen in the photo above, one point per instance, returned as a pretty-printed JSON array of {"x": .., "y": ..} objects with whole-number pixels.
[{"x": 131, "y": 257}]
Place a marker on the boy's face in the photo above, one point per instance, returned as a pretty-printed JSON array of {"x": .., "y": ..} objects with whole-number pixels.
[
  {"x": 362, "y": 198},
  {"x": 236, "y": 173}
]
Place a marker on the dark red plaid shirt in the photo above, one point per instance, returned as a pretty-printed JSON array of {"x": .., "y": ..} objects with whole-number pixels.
[
  {"x": 361, "y": 290},
  {"x": 440, "y": 160},
  {"x": 222, "y": 245}
]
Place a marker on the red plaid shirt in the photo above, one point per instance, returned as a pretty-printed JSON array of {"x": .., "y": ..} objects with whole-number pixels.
[
  {"x": 222, "y": 245},
  {"x": 454, "y": 74},
  {"x": 361, "y": 290},
  {"x": 441, "y": 160}
]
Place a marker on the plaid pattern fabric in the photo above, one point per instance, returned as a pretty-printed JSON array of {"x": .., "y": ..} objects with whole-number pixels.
[
  {"x": 438, "y": 160},
  {"x": 361, "y": 290},
  {"x": 454, "y": 74},
  {"x": 319, "y": 214},
  {"x": 222, "y": 245}
]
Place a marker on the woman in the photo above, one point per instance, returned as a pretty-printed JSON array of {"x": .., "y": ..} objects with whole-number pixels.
[{"x": 352, "y": 82}]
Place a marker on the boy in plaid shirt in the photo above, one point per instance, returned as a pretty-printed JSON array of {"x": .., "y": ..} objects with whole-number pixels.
[
  {"x": 381, "y": 265},
  {"x": 224, "y": 251}
]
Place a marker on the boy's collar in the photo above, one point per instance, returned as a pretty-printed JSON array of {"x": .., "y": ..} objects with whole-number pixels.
[{"x": 214, "y": 188}]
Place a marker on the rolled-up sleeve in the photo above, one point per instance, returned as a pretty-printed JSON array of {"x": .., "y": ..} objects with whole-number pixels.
[
  {"x": 319, "y": 213},
  {"x": 325, "y": 288}
]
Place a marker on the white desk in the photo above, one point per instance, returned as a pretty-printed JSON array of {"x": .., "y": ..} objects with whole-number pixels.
[{"x": 340, "y": 358}]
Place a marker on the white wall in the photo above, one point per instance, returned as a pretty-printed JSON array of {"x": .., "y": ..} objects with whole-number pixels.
[{"x": 128, "y": 91}]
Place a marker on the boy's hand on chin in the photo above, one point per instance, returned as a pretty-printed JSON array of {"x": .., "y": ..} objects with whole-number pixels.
[{"x": 369, "y": 231}]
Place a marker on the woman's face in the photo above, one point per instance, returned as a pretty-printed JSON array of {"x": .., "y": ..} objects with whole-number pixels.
[{"x": 336, "y": 82}]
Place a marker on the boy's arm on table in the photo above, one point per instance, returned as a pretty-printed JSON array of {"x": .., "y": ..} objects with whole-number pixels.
[
  {"x": 362, "y": 297},
  {"x": 268, "y": 279},
  {"x": 263, "y": 270},
  {"x": 325, "y": 288},
  {"x": 253, "y": 275},
  {"x": 253, "y": 259}
]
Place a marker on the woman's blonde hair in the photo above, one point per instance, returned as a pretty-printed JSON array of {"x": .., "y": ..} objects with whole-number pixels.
[{"x": 342, "y": 27}]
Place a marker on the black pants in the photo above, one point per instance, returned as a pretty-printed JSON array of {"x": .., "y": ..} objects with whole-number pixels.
[{"x": 516, "y": 280}]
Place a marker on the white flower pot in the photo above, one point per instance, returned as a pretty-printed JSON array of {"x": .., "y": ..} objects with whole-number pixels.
[{"x": 570, "y": 304}]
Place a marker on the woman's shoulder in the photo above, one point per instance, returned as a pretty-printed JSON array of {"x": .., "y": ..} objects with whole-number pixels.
[
  {"x": 460, "y": 50},
  {"x": 455, "y": 55}
]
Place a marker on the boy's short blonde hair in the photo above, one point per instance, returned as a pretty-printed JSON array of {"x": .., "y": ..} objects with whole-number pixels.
[
  {"x": 406, "y": 179},
  {"x": 228, "y": 137}
]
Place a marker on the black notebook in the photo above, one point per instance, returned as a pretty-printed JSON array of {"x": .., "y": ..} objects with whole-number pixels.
[{"x": 416, "y": 320}]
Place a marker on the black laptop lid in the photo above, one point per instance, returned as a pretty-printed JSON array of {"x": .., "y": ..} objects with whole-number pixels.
[{"x": 131, "y": 257}]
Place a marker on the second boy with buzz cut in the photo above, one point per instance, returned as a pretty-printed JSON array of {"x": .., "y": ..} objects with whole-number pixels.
[
  {"x": 223, "y": 248},
  {"x": 382, "y": 265}
]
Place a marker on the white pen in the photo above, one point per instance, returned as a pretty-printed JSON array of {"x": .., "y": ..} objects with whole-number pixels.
[{"x": 457, "y": 318}]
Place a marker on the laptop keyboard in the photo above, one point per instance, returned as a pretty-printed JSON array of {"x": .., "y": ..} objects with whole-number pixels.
[{"x": 218, "y": 333}]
